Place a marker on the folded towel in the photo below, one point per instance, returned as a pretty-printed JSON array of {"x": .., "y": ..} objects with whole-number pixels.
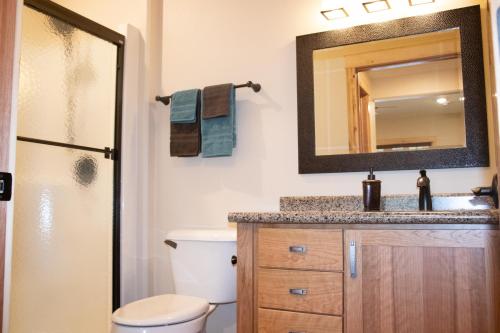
[
  {"x": 184, "y": 105},
  {"x": 216, "y": 100},
  {"x": 185, "y": 139},
  {"x": 219, "y": 134}
]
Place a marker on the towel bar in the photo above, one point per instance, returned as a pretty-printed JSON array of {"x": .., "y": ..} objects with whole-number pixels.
[{"x": 255, "y": 87}]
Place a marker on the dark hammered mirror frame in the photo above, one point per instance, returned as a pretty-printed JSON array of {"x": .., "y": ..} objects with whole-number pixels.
[{"x": 475, "y": 154}]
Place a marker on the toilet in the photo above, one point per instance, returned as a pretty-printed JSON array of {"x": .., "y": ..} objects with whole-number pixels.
[{"x": 204, "y": 272}]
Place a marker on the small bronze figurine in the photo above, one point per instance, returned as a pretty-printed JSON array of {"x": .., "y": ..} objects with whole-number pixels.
[{"x": 424, "y": 197}]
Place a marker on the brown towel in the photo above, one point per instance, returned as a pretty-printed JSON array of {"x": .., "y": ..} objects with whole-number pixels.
[
  {"x": 185, "y": 138},
  {"x": 216, "y": 100}
]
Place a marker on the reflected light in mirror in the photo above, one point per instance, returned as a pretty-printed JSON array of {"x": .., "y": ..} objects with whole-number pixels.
[{"x": 442, "y": 101}]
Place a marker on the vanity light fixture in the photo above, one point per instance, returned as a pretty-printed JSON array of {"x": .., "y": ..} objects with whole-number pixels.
[
  {"x": 334, "y": 14},
  {"x": 376, "y": 6},
  {"x": 420, "y": 2}
]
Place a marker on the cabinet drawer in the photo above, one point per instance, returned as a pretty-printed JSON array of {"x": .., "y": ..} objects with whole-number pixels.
[
  {"x": 300, "y": 249},
  {"x": 274, "y": 321},
  {"x": 305, "y": 291}
]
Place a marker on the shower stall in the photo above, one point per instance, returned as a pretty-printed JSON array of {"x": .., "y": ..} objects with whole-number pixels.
[{"x": 65, "y": 257}]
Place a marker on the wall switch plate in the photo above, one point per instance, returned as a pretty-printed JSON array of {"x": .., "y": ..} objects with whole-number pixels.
[{"x": 5, "y": 186}]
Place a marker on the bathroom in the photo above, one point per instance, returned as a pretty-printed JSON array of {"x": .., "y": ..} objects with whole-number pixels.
[{"x": 173, "y": 45}]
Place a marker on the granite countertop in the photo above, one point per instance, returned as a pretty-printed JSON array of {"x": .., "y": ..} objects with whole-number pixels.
[
  {"x": 396, "y": 209},
  {"x": 353, "y": 217}
]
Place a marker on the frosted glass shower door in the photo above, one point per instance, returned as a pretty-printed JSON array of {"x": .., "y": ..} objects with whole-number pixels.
[
  {"x": 62, "y": 264},
  {"x": 61, "y": 274}
]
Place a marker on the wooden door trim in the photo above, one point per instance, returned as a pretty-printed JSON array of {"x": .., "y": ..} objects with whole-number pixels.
[{"x": 8, "y": 15}]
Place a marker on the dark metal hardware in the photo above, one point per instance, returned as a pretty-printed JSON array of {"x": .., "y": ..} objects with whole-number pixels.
[
  {"x": 255, "y": 87},
  {"x": 109, "y": 153},
  {"x": 171, "y": 243},
  {"x": 296, "y": 332},
  {"x": 297, "y": 249},
  {"x": 424, "y": 189},
  {"x": 5, "y": 186},
  {"x": 298, "y": 291},
  {"x": 491, "y": 191},
  {"x": 234, "y": 260}
]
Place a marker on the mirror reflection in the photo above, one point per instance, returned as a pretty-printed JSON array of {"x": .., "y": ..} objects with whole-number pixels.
[{"x": 390, "y": 95}]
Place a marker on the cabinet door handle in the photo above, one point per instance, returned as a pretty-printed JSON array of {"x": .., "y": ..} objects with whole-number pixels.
[
  {"x": 352, "y": 258},
  {"x": 298, "y": 291},
  {"x": 297, "y": 249}
]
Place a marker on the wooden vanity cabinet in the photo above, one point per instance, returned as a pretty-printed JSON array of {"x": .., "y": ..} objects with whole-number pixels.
[
  {"x": 320, "y": 279},
  {"x": 421, "y": 281}
]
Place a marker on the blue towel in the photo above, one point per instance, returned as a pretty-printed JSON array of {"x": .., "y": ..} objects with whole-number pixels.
[
  {"x": 183, "y": 110},
  {"x": 218, "y": 135}
]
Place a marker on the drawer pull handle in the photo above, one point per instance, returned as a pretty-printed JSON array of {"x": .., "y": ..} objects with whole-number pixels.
[
  {"x": 352, "y": 258},
  {"x": 297, "y": 249},
  {"x": 298, "y": 291},
  {"x": 296, "y": 332}
]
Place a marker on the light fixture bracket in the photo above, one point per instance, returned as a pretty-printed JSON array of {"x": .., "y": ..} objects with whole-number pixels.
[
  {"x": 420, "y": 2},
  {"x": 375, "y": 6},
  {"x": 334, "y": 14}
]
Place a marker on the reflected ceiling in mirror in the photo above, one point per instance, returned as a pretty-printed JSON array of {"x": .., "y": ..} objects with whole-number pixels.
[{"x": 397, "y": 94}]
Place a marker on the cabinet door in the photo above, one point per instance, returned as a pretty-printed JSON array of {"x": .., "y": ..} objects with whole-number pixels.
[{"x": 422, "y": 281}]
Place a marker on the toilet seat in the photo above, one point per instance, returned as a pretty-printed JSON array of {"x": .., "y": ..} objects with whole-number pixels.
[{"x": 168, "y": 309}]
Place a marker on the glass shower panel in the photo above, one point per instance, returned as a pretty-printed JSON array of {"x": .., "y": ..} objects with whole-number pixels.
[
  {"x": 67, "y": 83},
  {"x": 62, "y": 258}
]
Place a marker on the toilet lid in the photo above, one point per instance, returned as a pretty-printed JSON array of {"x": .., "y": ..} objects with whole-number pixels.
[{"x": 161, "y": 310}]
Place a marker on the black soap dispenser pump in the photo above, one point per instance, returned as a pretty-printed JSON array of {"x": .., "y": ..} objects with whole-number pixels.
[{"x": 371, "y": 192}]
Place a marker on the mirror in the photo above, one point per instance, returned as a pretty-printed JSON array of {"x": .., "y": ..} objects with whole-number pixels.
[{"x": 393, "y": 95}]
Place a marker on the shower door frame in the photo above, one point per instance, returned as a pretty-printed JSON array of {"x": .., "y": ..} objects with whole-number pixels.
[{"x": 52, "y": 9}]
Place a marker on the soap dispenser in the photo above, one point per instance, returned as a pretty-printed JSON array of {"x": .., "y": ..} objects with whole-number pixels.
[{"x": 371, "y": 192}]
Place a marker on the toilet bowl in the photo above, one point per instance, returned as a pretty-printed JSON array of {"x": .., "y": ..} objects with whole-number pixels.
[
  {"x": 204, "y": 276},
  {"x": 168, "y": 313}
]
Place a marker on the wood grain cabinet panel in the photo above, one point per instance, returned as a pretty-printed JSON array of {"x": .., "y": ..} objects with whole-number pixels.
[
  {"x": 422, "y": 281},
  {"x": 309, "y": 249},
  {"x": 280, "y": 289},
  {"x": 274, "y": 321}
]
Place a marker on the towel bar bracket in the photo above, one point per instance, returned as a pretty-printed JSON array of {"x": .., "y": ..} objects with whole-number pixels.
[{"x": 256, "y": 87}]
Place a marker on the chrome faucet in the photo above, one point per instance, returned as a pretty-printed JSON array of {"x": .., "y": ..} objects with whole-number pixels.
[{"x": 424, "y": 187}]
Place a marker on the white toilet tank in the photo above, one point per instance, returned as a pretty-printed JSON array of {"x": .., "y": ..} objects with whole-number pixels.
[{"x": 201, "y": 263}]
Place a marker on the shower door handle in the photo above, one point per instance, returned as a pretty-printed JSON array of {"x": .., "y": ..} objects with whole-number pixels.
[{"x": 5, "y": 186}]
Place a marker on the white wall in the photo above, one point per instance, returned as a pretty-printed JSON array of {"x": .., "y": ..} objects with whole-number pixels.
[
  {"x": 447, "y": 130},
  {"x": 494, "y": 6},
  {"x": 210, "y": 42}
]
